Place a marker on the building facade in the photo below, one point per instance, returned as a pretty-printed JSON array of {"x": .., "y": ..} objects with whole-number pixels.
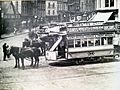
[
  {"x": 62, "y": 9},
  {"x": 51, "y": 10},
  {"x": 81, "y": 9},
  {"x": 110, "y": 9},
  {"x": 39, "y": 10},
  {"x": 11, "y": 13},
  {"x": 26, "y": 8}
]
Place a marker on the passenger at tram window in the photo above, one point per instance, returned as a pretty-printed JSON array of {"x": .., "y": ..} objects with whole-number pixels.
[
  {"x": 110, "y": 40},
  {"x": 84, "y": 44},
  {"x": 77, "y": 44},
  {"x": 90, "y": 43},
  {"x": 104, "y": 41},
  {"x": 97, "y": 42}
]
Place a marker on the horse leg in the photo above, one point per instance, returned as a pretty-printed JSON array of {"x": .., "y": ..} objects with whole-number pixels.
[
  {"x": 16, "y": 62},
  {"x": 31, "y": 61},
  {"x": 22, "y": 60},
  {"x": 35, "y": 62},
  {"x": 37, "y": 59}
]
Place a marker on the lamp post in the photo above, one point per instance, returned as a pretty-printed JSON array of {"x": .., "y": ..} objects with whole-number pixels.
[
  {"x": 0, "y": 23},
  {"x": 35, "y": 21}
]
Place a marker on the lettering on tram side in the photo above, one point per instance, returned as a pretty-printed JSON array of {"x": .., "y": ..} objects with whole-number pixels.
[
  {"x": 88, "y": 36},
  {"x": 84, "y": 29}
]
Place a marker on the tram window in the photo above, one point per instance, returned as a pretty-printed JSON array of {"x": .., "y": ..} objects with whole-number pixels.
[
  {"x": 84, "y": 43},
  {"x": 104, "y": 41},
  {"x": 110, "y": 40},
  {"x": 70, "y": 43},
  {"x": 97, "y": 41},
  {"x": 77, "y": 43},
  {"x": 91, "y": 42}
]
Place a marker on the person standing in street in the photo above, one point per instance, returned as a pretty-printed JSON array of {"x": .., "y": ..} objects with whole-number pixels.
[{"x": 5, "y": 46}]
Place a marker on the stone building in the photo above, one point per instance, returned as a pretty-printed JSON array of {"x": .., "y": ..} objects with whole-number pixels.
[
  {"x": 81, "y": 9},
  {"x": 39, "y": 10},
  {"x": 51, "y": 10},
  {"x": 107, "y": 10},
  {"x": 62, "y": 9},
  {"x": 11, "y": 13}
]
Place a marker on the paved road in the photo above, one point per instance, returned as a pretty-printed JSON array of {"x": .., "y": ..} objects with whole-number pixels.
[{"x": 60, "y": 76}]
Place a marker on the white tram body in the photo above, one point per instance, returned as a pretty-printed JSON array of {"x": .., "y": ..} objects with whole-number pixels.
[{"x": 84, "y": 40}]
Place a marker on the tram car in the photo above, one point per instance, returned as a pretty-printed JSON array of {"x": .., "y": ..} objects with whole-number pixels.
[{"x": 85, "y": 41}]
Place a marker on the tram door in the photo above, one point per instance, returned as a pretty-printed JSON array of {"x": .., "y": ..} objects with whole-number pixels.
[{"x": 61, "y": 48}]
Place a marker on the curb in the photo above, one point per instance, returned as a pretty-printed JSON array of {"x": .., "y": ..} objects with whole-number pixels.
[{"x": 12, "y": 35}]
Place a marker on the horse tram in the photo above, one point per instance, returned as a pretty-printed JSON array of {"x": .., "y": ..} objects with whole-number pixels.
[{"x": 86, "y": 41}]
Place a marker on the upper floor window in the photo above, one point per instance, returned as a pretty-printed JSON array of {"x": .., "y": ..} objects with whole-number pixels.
[
  {"x": 48, "y": 12},
  {"x": 106, "y": 3},
  {"x": 53, "y": 12},
  {"x": 109, "y": 3},
  {"x": 53, "y": 5},
  {"x": 48, "y": 5}
]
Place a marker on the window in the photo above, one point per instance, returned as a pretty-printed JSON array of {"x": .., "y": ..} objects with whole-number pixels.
[
  {"x": 84, "y": 43},
  {"x": 77, "y": 43},
  {"x": 71, "y": 43},
  {"x": 110, "y": 40},
  {"x": 48, "y": 5},
  {"x": 97, "y": 41},
  {"x": 53, "y": 5},
  {"x": 90, "y": 42},
  {"x": 49, "y": 12},
  {"x": 106, "y": 3},
  {"x": 53, "y": 12},
  {"x": 104, "y": 41},
  {"x": 109, "y": 3}
]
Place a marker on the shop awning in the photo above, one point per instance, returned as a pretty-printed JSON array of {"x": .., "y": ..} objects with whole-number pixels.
[{"x": 102, "y": 16}]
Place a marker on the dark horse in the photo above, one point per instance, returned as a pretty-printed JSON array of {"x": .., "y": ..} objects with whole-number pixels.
[
  {"x": 35, "y": 43},
  {"x": 22, "y": 53}
]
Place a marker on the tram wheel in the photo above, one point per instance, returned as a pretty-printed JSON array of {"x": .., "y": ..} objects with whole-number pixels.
[
  {"x": 116, "y": 57},
  {"x": 77, "y": 62},
  {"x": 80, "y": 61}
]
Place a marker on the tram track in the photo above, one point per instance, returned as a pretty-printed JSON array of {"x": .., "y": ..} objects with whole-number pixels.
[{"x": 55, "y": 79}]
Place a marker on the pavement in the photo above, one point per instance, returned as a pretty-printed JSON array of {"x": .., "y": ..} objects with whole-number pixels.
[{"x": 14, "y": 34}]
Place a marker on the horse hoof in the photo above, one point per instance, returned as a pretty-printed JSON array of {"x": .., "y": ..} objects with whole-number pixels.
[
  {"x": 31, "y": 65},
  {"x": 15, "y": 67},
  {"x": 23, "y": 68}
]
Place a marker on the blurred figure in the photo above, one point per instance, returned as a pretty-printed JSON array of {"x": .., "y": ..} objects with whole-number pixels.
[
  {"x": 26, "y": 43},
  {"x": 5, "y": 46},
  {"x": 15, "y": 30}
]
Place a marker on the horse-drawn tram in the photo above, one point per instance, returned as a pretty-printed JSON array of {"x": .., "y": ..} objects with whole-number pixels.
[{"x": 85, "y": 41}]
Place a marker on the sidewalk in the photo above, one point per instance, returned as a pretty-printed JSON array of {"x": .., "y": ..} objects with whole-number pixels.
[{"x": 12, "y": 34}]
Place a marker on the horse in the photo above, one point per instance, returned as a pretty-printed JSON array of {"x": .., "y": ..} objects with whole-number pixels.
[
  {"x": 35, "y": 43},
  {"x": 22, "y": 53}
]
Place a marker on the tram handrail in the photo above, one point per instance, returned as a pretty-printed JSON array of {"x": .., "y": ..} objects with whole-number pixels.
[{"x": 56, "y": 43}]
